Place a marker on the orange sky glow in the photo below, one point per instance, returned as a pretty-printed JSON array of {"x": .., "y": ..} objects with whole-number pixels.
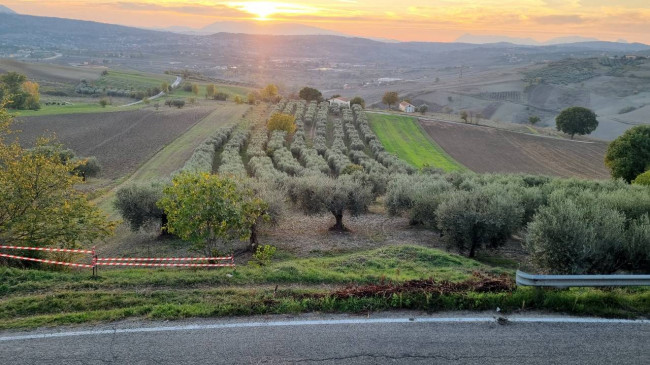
[{"x": 413, "y": 20}]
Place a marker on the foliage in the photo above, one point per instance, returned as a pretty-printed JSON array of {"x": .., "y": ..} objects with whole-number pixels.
[
  {"x": 309, "y": 94},
  {"x": 358, "y": 101},
  {"x": 178, "y": 103},
  {"x": 282, "y": 122},
  {"x": 39, "y": 205},
  {"x": 220, "y": 96},
  {"x": 195, "y": 89},
  {"x": 252, "y": 97},
  {"x": 423, "y": 108},
  {"x": 270, "y": 93},
  {"x": 628, "y": 156},
  {"x": 567, "y": 237},
  {"x": 464, "y": 116},
  {"x": 137, "y": 204},
  {"x": 317, "y": 194},
  {"x": 209, "y": 209},
  {"x": 210, "y": 91},
  {"x": 87, "y": 167},
  {"x": 263, "y": 254},
  {"x": 19, "y": 92},
  {"x": 533, "y": 119},
  {"x": 642, "y": 179},
  {"x": 486, "y": 216},
  {"x": 576, "y": 120},
  {"x": 238, "y": 99},
  {"x": 390, "y": 98}
]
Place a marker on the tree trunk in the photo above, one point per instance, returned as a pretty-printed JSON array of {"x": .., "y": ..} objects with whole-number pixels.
[
  {"x": 338, "y": 227},
  {"x": 253, "y": 238},
  {"x": 163, "y": 225}
]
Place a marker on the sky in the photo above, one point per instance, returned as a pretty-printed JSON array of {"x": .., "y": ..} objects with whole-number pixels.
[{"x": 412, "y": 20}]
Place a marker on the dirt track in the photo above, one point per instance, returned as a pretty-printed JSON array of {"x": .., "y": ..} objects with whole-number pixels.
[
  {"x": 121, "y": 141},
  {"x": 483, "y": 149}
]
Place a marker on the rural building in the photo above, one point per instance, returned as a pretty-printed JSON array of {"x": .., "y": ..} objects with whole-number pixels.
[
  {"x": 407, "y": 107},
  {"x": 339, "y": 101}
]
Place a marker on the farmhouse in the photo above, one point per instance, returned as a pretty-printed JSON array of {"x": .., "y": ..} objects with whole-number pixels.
[
  {"x": 339, "y": 101},
  {"x": 407, "y": 107}
]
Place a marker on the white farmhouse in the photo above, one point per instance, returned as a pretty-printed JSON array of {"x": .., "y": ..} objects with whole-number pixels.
[
  {"x": 339, "y": 101},
  {"x": 407, "y": 107}
]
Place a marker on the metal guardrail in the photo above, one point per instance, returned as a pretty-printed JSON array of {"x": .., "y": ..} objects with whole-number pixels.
[{"x": 567, "y": 281}]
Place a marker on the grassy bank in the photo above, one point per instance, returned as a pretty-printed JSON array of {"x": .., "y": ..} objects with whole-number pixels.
[
  {"x": 404, "y": 137},
  {"x": 33, "y": 298}
]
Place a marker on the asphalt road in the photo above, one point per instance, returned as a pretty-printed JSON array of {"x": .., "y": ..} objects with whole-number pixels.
[{"x": 390, "y": 338}]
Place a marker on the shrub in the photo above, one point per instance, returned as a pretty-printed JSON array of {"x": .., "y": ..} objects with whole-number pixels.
[
  {"x": 282, "y": 122},
  {"x": 486, "y": 217},
  {"x": 318, "y": 194},
  {"x": 628, "y": 156},
  {"x": 263, "y": 254},
  {"x": 567, "y": 237},
  {"x": 642, "y": 179},
  {"x": 178, "y": 103},
  {"x": 137, "y": 205},
  {"x": 88, "y": 167},
  {"x": 104, "y": 102}
]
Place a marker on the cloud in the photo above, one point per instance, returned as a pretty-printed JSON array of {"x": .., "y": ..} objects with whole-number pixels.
[
  {"x": 196, "y": 9},
  {"x": 558, "y": 19}
]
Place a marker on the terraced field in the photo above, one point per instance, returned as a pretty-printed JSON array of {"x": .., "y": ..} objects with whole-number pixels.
[{"x": 483, "y": 149}]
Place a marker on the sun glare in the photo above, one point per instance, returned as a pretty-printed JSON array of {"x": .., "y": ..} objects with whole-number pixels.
[{"x": 264, "y": 9}]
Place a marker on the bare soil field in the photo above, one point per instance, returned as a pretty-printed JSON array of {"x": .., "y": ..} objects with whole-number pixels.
[
  {"x": 54, "y": 73},
  {"x": 121, "y": 141},
  {"x": 484, "y": 149}
]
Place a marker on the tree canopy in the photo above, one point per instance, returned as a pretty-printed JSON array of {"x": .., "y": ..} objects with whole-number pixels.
[
  {"x": 309, "y": 94},
  {"x": 629, "y": 155},
  {"x": 19, "y": 92},
  {"x": 208, "y": 209},
  {"x": 576, "y": 120},
  {"x": 39, "y": 205},
  {"x": 358, "y": 100},
  {"x": 390, "y": 98},
  {"x": 282, "y": 122}
]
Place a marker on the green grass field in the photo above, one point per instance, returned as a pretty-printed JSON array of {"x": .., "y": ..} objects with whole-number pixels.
[
  {"x": 132, "y": 80},
  {"x": 404, "y": 137},
  {"x": 228, "y": 89}
]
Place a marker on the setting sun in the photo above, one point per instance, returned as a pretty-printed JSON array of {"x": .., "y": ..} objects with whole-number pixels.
[{"x": 263, "y": 9}]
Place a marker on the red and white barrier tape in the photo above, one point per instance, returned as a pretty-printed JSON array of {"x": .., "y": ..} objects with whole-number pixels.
[
  {"x": 161, "y": 265},
  {"x": 45, "y": 261},
  {"x": 47, "y": 249},
  {"x": 163, "y": 258}
]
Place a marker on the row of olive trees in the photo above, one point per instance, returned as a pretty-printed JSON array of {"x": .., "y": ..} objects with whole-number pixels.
[{"x": 571, "y": 226}]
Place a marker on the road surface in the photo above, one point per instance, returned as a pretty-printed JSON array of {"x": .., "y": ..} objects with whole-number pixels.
[
  {"x": 399, "y": 338},
  {"x": 160, "y": 94}
]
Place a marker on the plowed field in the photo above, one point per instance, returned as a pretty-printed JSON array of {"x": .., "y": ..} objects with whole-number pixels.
[
  {"x": 121, "y": 141},
  {"x": 483, "y": 149}
]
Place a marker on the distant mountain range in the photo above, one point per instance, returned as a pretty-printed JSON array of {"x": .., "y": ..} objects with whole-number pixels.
[
  {"x": 6, "y": 10},
  {"x": 255, "y": 27},
  {"x": 486, "y": 39}
]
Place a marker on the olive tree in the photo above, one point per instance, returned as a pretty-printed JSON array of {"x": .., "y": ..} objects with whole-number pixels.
[
  {"x": 137, "y": 204},
  {"x": 486, "y": 216},
  {"x": 318, "y": 194},
  {"x": 576, "y": 120},
  {"x": 571, "y": 237}
]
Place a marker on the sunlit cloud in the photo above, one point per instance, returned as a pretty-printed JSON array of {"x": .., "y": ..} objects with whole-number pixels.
[{"x": 433, "y": 20}]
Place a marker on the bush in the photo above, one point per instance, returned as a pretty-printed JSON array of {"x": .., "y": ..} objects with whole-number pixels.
[
  {"x": 282, "y": 122},
  {"x": 642, "y": 179},
  {"x": 567, "y": 237},
  {"x": 263, "y": 254},
  {"x": 137, "y": 205},
  {"x": 470, "y": 220},
  {"x": 178, "y": 103},
  {"x": 317, "y": 194},
  {"x": 88, "y": 167}
]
